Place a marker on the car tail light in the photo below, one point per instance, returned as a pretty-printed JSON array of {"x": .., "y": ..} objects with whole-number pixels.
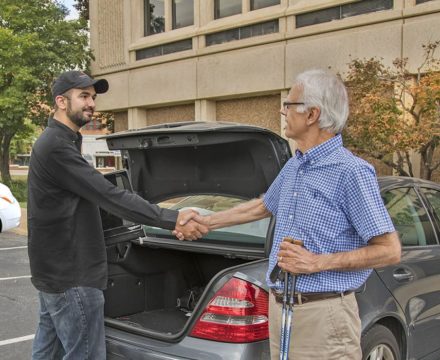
[{"x": 238, "y": 313}]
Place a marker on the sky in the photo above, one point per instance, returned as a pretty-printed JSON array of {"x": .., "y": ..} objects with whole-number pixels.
[{"x": 69, "y": 4}]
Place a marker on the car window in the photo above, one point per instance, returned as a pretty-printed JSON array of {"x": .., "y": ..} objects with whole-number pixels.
[
  {"x": 433, "y": 196},
  {"x": 409, "y": 217},
  {"x": 253, "y": 233}
]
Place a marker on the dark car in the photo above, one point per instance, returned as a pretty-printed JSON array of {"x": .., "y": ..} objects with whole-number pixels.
[{"x": 207, "y": 299}]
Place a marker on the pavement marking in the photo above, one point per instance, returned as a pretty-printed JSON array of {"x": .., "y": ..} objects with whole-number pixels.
[
  {"x": 13, "y": 248},
  {"x": 16, "y": 277},
  {"x": 16, "y": 340}
]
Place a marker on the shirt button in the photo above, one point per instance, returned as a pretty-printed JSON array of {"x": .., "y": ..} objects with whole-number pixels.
[
  {"x": 301, "y": 172},
  {"x": 295, "y": 194},
  {"x": 290, "y": 216}
]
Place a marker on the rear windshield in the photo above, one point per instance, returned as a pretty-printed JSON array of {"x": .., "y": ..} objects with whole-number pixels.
[{"x": 250, "y": 234}]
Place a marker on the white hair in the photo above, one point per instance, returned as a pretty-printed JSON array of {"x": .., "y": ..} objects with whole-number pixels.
[{"x": 326, "y": 91}]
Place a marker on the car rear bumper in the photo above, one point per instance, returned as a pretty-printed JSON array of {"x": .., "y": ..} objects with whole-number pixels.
[{"x": 121, "y": 345}]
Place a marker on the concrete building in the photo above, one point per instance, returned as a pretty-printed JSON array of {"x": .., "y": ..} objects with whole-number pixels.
[{"x": 234, "y": 60}]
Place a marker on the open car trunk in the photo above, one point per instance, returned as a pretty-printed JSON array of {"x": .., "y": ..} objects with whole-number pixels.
[
  {"x": 157, "y": 289},
  {"x": 156, "y": 282}
]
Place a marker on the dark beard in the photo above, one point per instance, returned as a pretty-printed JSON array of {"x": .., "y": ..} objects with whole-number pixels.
[{"x": 77, "y": 117}]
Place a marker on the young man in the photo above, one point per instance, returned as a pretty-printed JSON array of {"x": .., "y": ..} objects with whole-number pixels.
[
  {"x": 66, "y": 244},
  {"x": 329, "y": 199}
]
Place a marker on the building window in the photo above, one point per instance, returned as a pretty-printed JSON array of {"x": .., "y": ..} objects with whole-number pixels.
[
  {"x": 318, "y": 17},
  {"x": 258, "y": 4},
  {"x": 365, "y": 7},
  {"x": 154, "y": 17},
  {"x": 105, "y": 161},
  {"x": 223, "y": 8},
  {"x": 183, "y": 13},
  {"x": 342, "y": 11},
  {"x": 244, "y": 32},
  {"x": 164, "y": 49}
]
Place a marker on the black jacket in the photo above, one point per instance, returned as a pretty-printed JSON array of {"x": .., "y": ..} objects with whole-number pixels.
[{"x": 66, "y": 242}]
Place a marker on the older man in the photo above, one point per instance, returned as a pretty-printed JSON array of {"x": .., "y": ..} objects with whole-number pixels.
[{"x": 329, "y": 199}]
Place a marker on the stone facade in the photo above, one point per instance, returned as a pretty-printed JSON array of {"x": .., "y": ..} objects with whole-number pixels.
[{"x": 243, "y": 80}]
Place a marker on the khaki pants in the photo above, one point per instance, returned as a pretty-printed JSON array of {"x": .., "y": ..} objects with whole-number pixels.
[{"x": 323, "y": 330}]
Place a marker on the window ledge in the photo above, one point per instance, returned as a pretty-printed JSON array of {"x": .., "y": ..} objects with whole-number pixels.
[
  {"x": 163, "y": 38},
  {"x": 422, "y": 9}
]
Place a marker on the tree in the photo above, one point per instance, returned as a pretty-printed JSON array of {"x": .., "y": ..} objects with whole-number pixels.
[
  {"x": 83, "y": 8},
  {"x": 23, "y": 140},
  {"x": 36, "y": 44},
  {"x": 395, "y": 113}
]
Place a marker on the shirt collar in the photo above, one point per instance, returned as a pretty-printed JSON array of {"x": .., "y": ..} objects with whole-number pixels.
[
  {"x": 54, "y": 123},
  {"x": 321, "y": 150}
]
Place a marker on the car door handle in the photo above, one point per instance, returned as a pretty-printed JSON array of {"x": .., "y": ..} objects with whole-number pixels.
[{"x": 402, "y": 275}]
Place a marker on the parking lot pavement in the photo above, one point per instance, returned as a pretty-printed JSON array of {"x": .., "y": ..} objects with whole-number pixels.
[{"x": 18, "y": 298}]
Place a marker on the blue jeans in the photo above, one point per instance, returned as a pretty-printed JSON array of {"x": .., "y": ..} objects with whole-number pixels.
[{"x": 71, "y": 325}]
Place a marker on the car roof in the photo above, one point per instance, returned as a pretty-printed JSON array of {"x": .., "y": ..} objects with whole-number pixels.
[{"x": 386, "y": 181}]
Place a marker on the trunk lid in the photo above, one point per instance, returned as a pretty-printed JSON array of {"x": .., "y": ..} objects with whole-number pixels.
[{"x": 177, "y": 159}]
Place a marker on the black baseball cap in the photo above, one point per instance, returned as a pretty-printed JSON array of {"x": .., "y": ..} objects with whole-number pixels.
[{"x": 77, "y": 80}]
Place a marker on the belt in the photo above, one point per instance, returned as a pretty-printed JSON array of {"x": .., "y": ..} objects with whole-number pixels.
[{"x": 302, "y": 298}]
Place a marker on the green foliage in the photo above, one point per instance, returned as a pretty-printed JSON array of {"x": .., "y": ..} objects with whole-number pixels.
[
  {"x": 19, "y": 189},
  {"x": 83, "y": 8},
  {"x": 395, "y": 112},
  {"x": 36, "y": 44},
  {"x": 23, "y": 140}
]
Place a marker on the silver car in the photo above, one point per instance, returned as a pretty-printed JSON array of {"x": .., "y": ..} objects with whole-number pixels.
[{"x": 208, "y": 299}]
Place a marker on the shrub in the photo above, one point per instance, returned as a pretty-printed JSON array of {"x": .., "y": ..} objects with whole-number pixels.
[{"x": 19, "y": 190}]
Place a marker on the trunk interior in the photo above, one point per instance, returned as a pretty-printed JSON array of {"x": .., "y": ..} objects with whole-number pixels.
[{"x": 155, "y": 289}]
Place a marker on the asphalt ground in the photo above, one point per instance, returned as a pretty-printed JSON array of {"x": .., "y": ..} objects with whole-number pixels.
[{"x": 18, "y": 298}]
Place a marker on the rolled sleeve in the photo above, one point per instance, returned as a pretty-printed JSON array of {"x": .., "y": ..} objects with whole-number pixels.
[{"x": 364, "y": 205}]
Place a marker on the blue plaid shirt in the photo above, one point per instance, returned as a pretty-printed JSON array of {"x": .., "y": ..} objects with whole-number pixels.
[{"x": 330, "y": 199}]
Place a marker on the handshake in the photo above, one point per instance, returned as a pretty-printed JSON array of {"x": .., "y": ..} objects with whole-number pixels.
[{"x": 190, "y": 225}]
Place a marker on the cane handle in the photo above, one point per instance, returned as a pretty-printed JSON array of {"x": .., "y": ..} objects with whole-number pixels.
[{"x": 293, "y": 241}]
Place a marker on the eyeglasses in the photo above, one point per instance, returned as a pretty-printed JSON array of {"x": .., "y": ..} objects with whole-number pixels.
[{"x": 286, "y": 104}]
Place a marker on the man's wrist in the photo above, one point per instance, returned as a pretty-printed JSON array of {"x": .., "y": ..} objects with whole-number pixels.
[{"x": 208, "y": 219}]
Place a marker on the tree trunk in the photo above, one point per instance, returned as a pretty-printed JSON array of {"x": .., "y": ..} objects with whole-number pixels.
[
  {"x": 426, "y": 162},
  {"x": 400, "y": 164},
  {"x": 5, "y": 142}
]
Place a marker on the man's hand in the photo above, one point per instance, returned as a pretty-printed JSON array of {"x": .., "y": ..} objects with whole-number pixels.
[
  {"x": 190, "y": 225},
  {"x": 296, "y": 259}
]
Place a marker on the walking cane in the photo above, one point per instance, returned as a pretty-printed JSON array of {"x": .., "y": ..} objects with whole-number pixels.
[
  {"x": 283, "y": 316},
  {"x": 291, "y": 284},
  {"x": 288, "y": 302}
]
